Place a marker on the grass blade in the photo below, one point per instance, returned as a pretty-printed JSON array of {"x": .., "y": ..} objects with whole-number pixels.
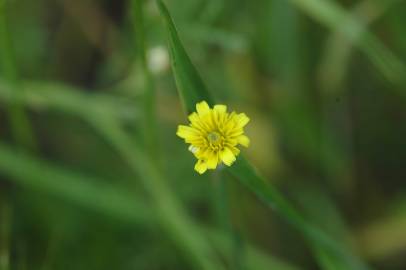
[
  {"x": 336, "y": 18},
  {"x": 149, "y": 119},
  {"x": 20, "y": 125},
  {"x": 316, "y": 238},
  {"x": 338, "y": 51},
  {"x": 52, "y": 96},
  {"x": 87, "y": 192},
  {"x": 5, "y": 230},
  {"x": 173, "y": 217},
  {"x": 242, "y": 170},
  {"x": 106, "y": 199},
  {"x": 189, "y": 83}
]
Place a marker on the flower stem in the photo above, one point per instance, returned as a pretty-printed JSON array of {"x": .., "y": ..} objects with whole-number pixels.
[
  {"x": 20, "y": 126},
  {"x": 5, "y": 220},
  {"x": 169, "y": 211},
  {"x": 149, "y": 109}
]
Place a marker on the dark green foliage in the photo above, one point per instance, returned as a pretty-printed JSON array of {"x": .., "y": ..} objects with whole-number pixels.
[{"x": 102, "y": 182}]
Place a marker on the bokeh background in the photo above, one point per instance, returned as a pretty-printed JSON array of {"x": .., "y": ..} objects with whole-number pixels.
[{"x": 322, "y": 81}]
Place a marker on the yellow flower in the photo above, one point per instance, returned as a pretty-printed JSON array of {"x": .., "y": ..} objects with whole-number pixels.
[{"x": 213, "y": 135}]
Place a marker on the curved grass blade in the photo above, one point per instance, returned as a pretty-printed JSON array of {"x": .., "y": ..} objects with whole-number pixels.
[
  {"x": 332, "y": 15},
  {"x": 149, "y": 121},
  {"x": 321, "y": 243},
  {"x": 242, "y": 170},
  {"x": 189, "y": 83},
  {"x": 108, "y": 200},
  {"x": 20, "y": 124},
  {"x": 89, "y": 192},
  {"x": 53, "y": 96},
  {"x": 5, "y": 229},
  {"x": 338, "y": 51},
  {"x": 173, "y": 217}
]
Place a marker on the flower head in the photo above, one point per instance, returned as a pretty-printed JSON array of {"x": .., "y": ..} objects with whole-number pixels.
[{"x": 213, "y": 135}]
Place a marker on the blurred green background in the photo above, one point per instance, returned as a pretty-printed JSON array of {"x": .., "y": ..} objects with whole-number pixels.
[{"x": 81, "y": 81}]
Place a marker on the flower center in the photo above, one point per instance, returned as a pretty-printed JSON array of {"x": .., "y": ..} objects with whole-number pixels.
[{"x": 214, "y": 137}]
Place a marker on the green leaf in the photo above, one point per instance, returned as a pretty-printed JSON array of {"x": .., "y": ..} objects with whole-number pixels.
[{"x": 189, "y": 83}]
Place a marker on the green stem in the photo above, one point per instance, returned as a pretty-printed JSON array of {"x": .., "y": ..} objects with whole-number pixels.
[
  {"x": 248, "y": 176},
  {"x": 223, "y": 216},
  {"x": 149, "y": 119},
  {"x": 108, "y": 200},
  {"x": 20, "y": 126},
  {"x": 5, "y": 227},
  {"x": 173, "y": 218},
  {"x": 52, "y": 96},
  {"x": 220, "y": 202},
  {"x": 335, "y": 17}
]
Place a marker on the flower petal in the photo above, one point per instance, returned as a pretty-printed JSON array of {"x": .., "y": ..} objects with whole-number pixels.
[
  {"x": 193, "y": 117},
  {"x": 220, "y": 108},
  {"x": 200, "y": 166},
  {"x": 202, "y": 108},
  {"x": 204, "y": 122},
  {"x": 212, "y": 160},
  {"x": 243, "y": 140},
  {"x": 227, "y": 156},
  {"x": 235, "y": 150},
  {"x": 193, "y": 149},
  {"x": 197, "y": 122},
  {"x": 187, "y": 132},
  {"x": 242, "y": 119},
  {"x": 219, "y": 115}
]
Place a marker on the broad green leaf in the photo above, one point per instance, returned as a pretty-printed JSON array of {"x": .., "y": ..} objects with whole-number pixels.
[
  {"x": 242, "y": 169},
  {"x": 189, "y": 83}
]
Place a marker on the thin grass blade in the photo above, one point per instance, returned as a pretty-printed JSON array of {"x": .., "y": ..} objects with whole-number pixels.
[
  {"x": 242, "y": 169},
  {"x": 189, "y": 83}
]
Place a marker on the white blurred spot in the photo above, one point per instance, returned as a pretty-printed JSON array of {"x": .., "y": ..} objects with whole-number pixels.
[
  {"x": 193, "y": 149},
  {"x": 158, "y": 59}
]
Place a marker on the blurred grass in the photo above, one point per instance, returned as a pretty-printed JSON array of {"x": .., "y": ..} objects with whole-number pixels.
[
  {"x": 338, "y": 50},
  {"x": 332, "y": 15},
  {"x": 186, "y": 75},
  {"x": 105, "y": 199},
  {"x": 387, "y": 235},
  {"x": 19, "y": 122},
  {"x": 5, "y": 231},
  {"x": 53, "y": 96},
  {"x": 149, "y": 121},
  {"x": 168, "y": 209},
  {"x": 110, "y": 185}
]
